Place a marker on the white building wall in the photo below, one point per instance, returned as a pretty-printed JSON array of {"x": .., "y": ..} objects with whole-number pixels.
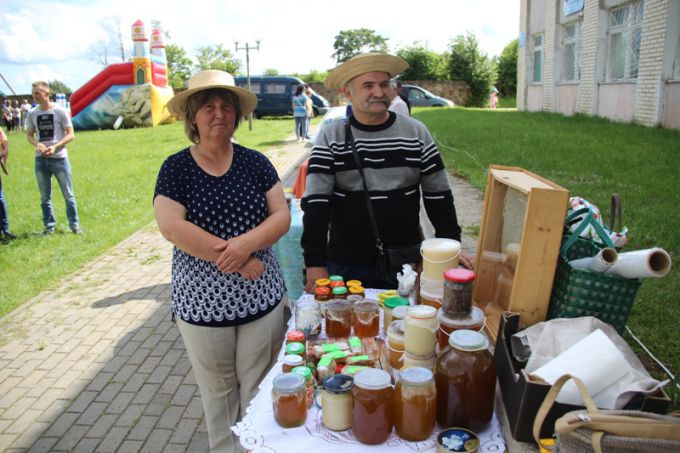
[{"x": 549, "y": 44}]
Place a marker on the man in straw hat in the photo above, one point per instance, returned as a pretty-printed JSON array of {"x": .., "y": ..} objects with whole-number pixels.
[{"x": 399, "y": 160}]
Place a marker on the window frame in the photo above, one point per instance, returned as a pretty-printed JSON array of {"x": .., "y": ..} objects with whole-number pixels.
[
  {"x": 631, "y": 26},
  {"x": 577, "y": 42},
  {"x": 537, "y": 49}
]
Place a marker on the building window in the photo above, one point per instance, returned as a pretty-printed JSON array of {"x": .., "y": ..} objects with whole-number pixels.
[
  {"x": 571, "y": 52},
  {"x": 625, "y": 35},
  {"x": 538, "y": 59},
  {"x": 676, "y": 66}
]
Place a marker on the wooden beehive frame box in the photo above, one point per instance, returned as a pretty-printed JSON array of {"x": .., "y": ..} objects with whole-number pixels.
[{"x": 519, "y": 241}]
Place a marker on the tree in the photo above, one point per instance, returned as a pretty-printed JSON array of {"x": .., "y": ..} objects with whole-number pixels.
[
  {"x": 57, "y": 86},
  {"x": 507, "y": 70},
  {"x": 216, "y": 58},
  {"x": 424, "y": 64},
  {"x": 114, "y": 42},
  {"x": 271, "y": 72},
  {"x": 468, "y": 63},
  {"x": 349, "y": 43},
  {"x": 179, "y": 65}
]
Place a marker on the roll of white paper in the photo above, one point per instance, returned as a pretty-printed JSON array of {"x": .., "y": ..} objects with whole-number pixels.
[
  {"x": 598, "y": 263},
  {"x": 654, "y": 262}
]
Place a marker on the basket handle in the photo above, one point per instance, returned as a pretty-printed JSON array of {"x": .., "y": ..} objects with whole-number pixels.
[
  {"x": 588, "y": 220},
  {"x": 615, "y": 213}
]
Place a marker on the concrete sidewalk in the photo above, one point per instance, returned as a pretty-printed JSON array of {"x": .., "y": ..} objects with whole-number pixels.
[{"x": 97, "y": 365}]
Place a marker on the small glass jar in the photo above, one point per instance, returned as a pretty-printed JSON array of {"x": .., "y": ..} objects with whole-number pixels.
[
  {"x": 291, "y": 361},
  {"x": 388, "y": 306},
  {"x": 338, "y": 319},
  {"x": 448, "y": 325},
  {"x": 420, "y": 333},
  {"x": 457, "y": 301},
  {"x": 308, "y": 317},
  {"x": 339, "y": 292},
  {"x": 399, "y": 313},
  {"x": 306, "y": 373},
  {"x": 322, "y": 283},
  {"x": 336, "y": 402},
  {"x": 356, "y": 290},
  {"x": 424, "y": 361},
  {"x": 372, "y": 402},
  {"x": 289, "y": 400},
  {"x": 296, "y": 349},
  {"x": 366, "y": 319},
  {"x": 395, "y": 344},
  {"x": 354, "y": 299},
  {"x": 322, "y": 294},
  {"x": 351, "y": 283},
  {"x": 415, "y": 404},
  {"x": 336, "y": 283},
  {"x": 336, "y": 278},
  {"x": 295, "y": 336},
  {"x": 465, "y": 376}
]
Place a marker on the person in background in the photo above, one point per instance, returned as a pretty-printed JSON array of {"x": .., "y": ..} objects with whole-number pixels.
[
  {"x": 7, "y": 114},
  {"x": 399, "y": 158},
  {"x": 310, "y": 110},
  {"x": 493, "y": 98},
  {"x": 16, "y": 116},
  {"x": 25, "y": 107},
  {"x": 5, "y": 234},
  {"x": 403, "y": 95},
  {"x": 54, "y": 129},
  {"x": 397, "y": 104},
  {"x": 300, "y": 113},
  {"x": 222, "y": 206}
]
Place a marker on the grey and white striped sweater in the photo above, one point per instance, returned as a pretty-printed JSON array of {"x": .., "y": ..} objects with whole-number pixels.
[{"x": 399, "y": 159}]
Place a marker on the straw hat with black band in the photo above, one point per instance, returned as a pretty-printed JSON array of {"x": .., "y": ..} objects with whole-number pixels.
[
  {"x": 361, "y": 64},
  {"x": 206, "y": 80}
]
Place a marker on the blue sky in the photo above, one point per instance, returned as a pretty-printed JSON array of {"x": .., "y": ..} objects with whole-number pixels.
[{"x": 53, "y": 39}]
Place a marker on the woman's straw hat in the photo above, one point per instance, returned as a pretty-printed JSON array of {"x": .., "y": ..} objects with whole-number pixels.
[
  {"x": 363, "y": 63},
  {"x": 212, "y": 78}
]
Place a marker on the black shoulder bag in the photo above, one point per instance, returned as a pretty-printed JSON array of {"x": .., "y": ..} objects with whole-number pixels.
[{"x": 389, "y": 260}]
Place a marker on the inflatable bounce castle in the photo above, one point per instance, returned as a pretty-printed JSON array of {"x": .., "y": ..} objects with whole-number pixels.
[{"x": 131, "y": 94}]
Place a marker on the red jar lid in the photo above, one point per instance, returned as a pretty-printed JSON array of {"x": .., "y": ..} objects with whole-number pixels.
[
  {"x": 336, "y": 284},
  {"x": 295, "y": 335},
  {"x": 459, "y": 275},
  {"x": 322, "y": 291}
]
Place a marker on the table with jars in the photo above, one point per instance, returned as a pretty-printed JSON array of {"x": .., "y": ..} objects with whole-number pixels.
[{"x": 366, "y": 368}]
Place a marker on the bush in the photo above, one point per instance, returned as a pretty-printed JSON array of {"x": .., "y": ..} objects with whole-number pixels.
[{"x": 469, "y": 64}]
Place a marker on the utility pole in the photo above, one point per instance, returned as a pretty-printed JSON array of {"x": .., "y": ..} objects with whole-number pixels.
[{"x": 248, "y": 47}]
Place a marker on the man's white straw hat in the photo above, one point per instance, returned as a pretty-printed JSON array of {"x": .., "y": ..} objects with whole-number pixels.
[
  {"x": 205, "y": 80},
  {"x": 363, "y": 63}
]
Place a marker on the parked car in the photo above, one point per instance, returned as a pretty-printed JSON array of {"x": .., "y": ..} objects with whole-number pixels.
[
  {"x": 420, "y": 97},
  {"x": 333, "y": 114},
  {"x": 274, "y": 95}
]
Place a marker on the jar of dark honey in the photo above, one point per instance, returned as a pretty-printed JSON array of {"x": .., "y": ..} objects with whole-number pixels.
[
  {"x": 336, "y": 278},
  {"x": 322, "y": 294},
  {"x": 289, "y": 400},
  {"x": 465, "y": 376},
  {"x": 372, "y": 403},
  {"x": 339, "y": 292},
  {"x": 295, "y": 336},
  {"x": 457, "y": 300},
  {"x": 296, "y": 349},
  {"x": 415, "y": 404},
  {"x": 338, "y": 319},
  {"x": 366, "y": 319},
  {"x": 322, "y": 282},
  {"x": 291, "y": 361},
  {"x": 351, "y": 283}
]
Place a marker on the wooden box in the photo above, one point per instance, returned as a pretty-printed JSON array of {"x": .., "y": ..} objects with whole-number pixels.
[{"x": 520, "y": 235}]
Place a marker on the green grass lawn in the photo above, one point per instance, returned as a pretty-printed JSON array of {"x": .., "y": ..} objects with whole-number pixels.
[
  {"x": 592, "y": 158},
  {"x": 114, "y": 173}
]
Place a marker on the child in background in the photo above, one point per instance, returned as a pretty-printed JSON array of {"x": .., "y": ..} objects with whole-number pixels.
[{"x": 493, "y": 98}]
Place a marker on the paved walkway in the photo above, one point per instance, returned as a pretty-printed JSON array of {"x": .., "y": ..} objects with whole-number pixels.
[{"x": 97, "y": 365}]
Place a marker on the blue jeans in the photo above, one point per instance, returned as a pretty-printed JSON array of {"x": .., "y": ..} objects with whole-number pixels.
[
  {"x": 301, "y": 126},
  {"x": 61, "y": 169},
  {"x": 4, "y": 220}
]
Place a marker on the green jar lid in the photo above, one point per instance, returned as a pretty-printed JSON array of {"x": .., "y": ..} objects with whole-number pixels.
[
  {"x": 336, "y": 278},
  {"x": 340, "y": 290},
  {"x": 295, "y": 348},
  {"x": 395, "y": 302},
  {"x": 303, "y": 371}
]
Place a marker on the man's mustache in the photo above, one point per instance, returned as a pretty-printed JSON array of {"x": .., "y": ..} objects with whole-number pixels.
[{"x": 379, "y": 101}]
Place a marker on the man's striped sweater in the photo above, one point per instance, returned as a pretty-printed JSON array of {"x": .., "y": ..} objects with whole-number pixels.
[{"x": 400, "y": 159}]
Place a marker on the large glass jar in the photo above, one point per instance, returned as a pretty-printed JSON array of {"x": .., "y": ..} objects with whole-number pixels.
[
  {"x": 338, "y": 319},
  {"x": 289, "y": 400},
  {"x": 366, "y": 319},
  {"x": 395, "y": 344},
  {"x": 336, "y": 402},
  {"x": 308, "y": 317},
  {"x": 466, "y": 381},
  {"x": 447, "y": 325},
  {"x": 415, "y": 404},
  {"x": 457, "y": 301},
  {"x": 372, "y": 402},
  {"x": 420, "y": 334},
  {"x": 388, "y": 306}
]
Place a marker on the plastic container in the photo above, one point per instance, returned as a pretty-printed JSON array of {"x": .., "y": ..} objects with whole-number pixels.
[
  {"x": 457, "y": 301},
  {"x": 338, "y": 318},
  {"x": 336, "y": 402},
  {"x": 415, "y": 404},
  {"x": 395, "y": 344},
  {"x": 372, "y": 403},
  {"x": 431, "y": 292},
  {"x": 447, "y": 325},
  {"x": 466, "y": 381},
  {"x": 457, "y": 440},
  {"x": 289, "y": 400},
  {"x": 388, "y": 306},
  {"x": 439, "y": 255},
  {"x": 308, "y": 317},
  {"x": 420, "y": 332},
  {"x": 399, "y": 313},
  {"x": 366, "y": 319}
]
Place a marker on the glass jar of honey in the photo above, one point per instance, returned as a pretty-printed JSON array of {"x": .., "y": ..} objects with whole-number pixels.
[
  {"x": 336, "y": 283},
  {"x": 308, "y": 317},
  {"x": 354, "y": 299},
  {"x": 356, "y": 290},
  {"x": 420, "y": 333},
  {"x": 351, "y": 283},
  {"x": 339, "y": 292},
  {"x": 366, "y": 319},
  {"x": 338, "y": 319},
  {"x": 447, "y": 325},
  {"x": 322, "y": 282},
  {"x": 336, "y": 402},
  {"x": 296, "y": 349},
  {"x": 291, "y": 361},
  {"x": 388, "y": 306},
  {"x": 322, "y": 294},
  {"x": 372, "y": 403},
  {"x": 306, "y": 373},
  {"x": 295, "y": 336},
  {"x": 395, "y": 344},
  {"x": 415, "y": 404},
  {"x": 465, "y": 376},
  {"x": 457, "y": 300},
  {"x": 289, "y": 400}
]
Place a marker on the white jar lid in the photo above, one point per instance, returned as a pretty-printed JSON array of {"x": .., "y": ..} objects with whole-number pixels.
[
  {"x": 468, "y": 340},
  {"x": 416, "y": 375},
  {"x": 422, "y": 311},
  {"x": 372, "y": 379}
]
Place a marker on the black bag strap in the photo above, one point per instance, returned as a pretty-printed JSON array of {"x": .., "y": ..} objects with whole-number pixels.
[{"x": 349, "y": 140}]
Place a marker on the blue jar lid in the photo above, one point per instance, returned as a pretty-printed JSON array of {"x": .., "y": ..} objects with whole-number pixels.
[{"x": 338, "y": 383}]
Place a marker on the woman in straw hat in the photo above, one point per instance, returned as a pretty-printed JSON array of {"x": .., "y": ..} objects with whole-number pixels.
[{"x": 222, "y": 206}]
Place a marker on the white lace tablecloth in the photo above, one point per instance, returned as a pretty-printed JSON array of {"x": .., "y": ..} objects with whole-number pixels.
[{"x": 259, "y": 432}]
